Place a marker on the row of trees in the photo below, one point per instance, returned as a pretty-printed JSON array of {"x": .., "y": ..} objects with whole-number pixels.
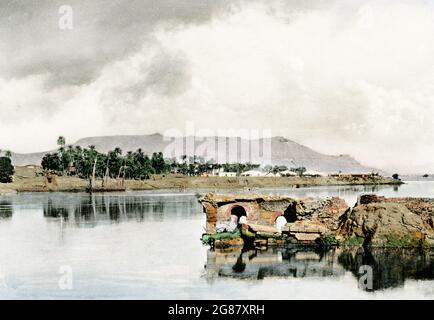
[
  {"x": 82, "y": 162},
  {"x": 280, "y": 168},
  {"x": 70, "y": 160}
]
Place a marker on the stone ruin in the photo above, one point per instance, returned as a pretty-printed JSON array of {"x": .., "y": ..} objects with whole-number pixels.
[
  {"x": 276, "y": 220},
  {"x": 304, "y": 220}
]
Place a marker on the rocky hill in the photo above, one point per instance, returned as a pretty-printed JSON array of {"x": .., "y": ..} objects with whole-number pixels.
[{"x": 283, "y": 151}]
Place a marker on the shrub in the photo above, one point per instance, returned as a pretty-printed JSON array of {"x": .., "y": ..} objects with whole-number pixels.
[
  {"x": 353, "y": 241},
  {"x": 329, "y": 239}
]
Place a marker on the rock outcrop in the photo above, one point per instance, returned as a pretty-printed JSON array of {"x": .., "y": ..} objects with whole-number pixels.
[
  {"x": 380, "y": 221},
  {"x": 374, "y": 221}
]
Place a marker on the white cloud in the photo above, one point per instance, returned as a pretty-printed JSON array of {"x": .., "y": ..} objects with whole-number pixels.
[{"x": 343, "y": 78}]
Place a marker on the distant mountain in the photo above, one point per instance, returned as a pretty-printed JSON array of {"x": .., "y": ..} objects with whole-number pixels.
[{"x": 283, "y": 151}]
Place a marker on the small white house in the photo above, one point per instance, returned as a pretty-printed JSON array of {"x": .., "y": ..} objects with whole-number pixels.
[
  {"x": 252, "y": 173},
  {"x": 271, "y": 174},
  {"x": 227, "y": 174}
]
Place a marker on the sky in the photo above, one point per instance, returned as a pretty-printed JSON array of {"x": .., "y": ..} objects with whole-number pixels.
[{"x": 342, "y": 77}]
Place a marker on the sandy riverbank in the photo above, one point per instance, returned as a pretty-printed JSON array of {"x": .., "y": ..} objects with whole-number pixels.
[{"x": 29, "y": 179}]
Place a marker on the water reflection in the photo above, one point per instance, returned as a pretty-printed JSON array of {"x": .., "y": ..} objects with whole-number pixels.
[
  {"x": 118, "y": 245},
  {"x": 294, "y": 261},
  {"x": 6, "y": 209},
  {"x": 391, "y": 267},
  {"x": 88, "y": 210}
]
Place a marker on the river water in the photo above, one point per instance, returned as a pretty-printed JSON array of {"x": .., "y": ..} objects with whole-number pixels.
[{"x": 146, "y": 245}]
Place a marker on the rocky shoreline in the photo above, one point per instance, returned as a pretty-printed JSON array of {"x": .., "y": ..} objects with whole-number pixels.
[{"x": 373, "y": 222}]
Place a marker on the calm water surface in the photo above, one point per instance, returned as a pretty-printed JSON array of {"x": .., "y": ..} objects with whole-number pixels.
[{"x": 146, "y": 245}]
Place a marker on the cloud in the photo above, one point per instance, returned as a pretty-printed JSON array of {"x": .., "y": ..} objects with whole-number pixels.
[
  {"x": 103, "y": 31},
  {"x": 342, "y": 77}
]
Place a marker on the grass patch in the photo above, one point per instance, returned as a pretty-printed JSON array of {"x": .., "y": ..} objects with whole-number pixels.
[
  {"x": 353, "y": 241},
  {"x": 398, "y": 242},
  {"x": 208, "y": 238},
  {"x": 291, "y": 240},
  {"x": 329, "y": 239}
]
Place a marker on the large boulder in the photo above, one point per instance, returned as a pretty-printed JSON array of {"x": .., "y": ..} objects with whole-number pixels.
[{"x": 385, "y": 224}]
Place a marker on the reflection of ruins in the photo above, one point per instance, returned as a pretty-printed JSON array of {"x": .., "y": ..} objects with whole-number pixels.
[
  {"x": 391, "y": 267},
  {"x": 6, "y": 210},
  {"x": 275, "y": 262},
  {"x": 89, "y": 210}
]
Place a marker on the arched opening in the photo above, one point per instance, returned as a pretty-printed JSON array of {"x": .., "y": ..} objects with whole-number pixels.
[
  {"x": 238, "y": 211},
  {"x": 280, "y": 223},
  {"x": 290, "y": 213}
]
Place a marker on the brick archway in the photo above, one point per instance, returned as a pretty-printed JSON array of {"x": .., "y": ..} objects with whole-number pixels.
[
  {"x": 246, "y": 210},
  {"x": 238, "y": 211}
]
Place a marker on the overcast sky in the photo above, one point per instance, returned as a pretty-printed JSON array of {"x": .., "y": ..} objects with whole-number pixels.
[{"x": 352, "y": 77}]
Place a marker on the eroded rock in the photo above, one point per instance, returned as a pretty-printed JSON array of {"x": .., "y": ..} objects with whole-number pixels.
[{"x": 389, "y": 222}]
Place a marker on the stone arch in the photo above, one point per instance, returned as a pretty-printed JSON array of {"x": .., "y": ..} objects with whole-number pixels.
[
  {"x": 290, "y": 212},
  {"x": 238, "y": 211}
]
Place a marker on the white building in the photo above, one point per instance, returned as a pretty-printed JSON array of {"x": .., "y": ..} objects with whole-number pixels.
[
  {"x": 227, "y": 174},
  {"x": 252, "y": 173},
  {"x": 271, "y": 174}
]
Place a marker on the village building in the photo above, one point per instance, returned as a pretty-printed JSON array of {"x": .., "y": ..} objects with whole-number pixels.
[
  {"x": 272, "y": 174},
  {"x": 227, "y": 174},
  {"x": 253, "y": 173}
]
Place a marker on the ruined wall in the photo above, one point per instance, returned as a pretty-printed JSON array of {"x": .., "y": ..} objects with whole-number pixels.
[
  {"x": 257, "y": 211},
  {"x": 264, "y": 210},
  {"x": 210, "y": 210}
]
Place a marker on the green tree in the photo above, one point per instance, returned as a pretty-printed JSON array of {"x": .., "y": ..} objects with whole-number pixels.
[
  {"x": 6, "y": 170},
  {"x": 158, "y": 163},
  {"x": 395, "y": 176},
  {"x": 51, "y": 161},
  {"x": 61, "y": 142},
  {"x": 299, "y": 170},
  {"x": 8, "y": 154},
  {"x": 115, "y": 162}
]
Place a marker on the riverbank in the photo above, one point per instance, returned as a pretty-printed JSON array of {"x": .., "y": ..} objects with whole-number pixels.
[{"x": 30, "y": 179}]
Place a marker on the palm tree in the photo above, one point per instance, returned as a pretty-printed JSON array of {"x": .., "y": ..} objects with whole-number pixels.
[
  {"x": 61, "y": 141},
  {"x": 118, "y": 151},
  {"x": 8, "y": 154}
]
